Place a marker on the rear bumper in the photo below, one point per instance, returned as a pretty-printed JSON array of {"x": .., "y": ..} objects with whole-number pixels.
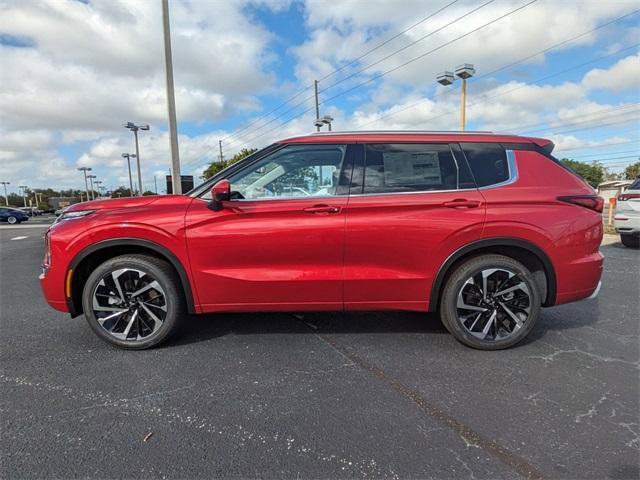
[
  {"x": 627, "y": 222},
  {"x": 580, "y": 279}
]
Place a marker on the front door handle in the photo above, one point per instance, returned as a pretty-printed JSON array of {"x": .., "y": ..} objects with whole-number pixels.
[
  {"x": 322, "y": 209},
  {"x": 462, "y": 203}
]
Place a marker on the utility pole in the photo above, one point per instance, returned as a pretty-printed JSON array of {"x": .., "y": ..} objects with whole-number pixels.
[
  {"x": 134, "y": 128},
  {"x": 128, "y": 156},
  {"x": 221, "y": 156},
  {"x": 91, "y": 177},
  {"x": 24, "y": 193},
  {"x": 176, "y": 180},
  {"x": 6, "y": 197},
  {"x": 86, "y": 185},
  {"x": 155, "y": 183},
  {"x": 315, "y": 87}
]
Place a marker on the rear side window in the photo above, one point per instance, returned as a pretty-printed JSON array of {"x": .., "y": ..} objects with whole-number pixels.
[
  {"x": 635, "y": 185},
  {"x": 488, "y": 162},
  {"x": 409, "y": 168}
]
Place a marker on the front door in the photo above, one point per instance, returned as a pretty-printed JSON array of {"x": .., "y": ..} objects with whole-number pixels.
[
  {"x": 414, "y": 205},
  {"x": 279, "y": 243}
]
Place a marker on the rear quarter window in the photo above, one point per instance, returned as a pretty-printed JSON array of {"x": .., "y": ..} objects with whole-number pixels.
[
  {"x": 635, "y": 185},
  {"x": 488, "y": 162}
]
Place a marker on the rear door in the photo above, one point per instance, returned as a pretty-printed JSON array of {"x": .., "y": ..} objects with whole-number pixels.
[{"x": 410, "y": 206}]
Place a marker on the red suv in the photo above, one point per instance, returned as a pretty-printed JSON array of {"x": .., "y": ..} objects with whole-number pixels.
[{"x": 484, "y": 229}]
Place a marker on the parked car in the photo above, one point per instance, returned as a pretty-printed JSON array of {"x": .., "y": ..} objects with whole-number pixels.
[
  {"x": 31, "y": 211},
  {"x": 12, "y": 215},
  {"x": 627, "y": 215},
  {"x": 485, "y": 229}
]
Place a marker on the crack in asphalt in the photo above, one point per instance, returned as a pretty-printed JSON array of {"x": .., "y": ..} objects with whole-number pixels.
[{"x": 522, "y": 466}]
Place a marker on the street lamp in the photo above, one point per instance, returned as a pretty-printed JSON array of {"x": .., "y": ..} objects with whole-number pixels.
[
  {"x": 326, "y": 120},
  {"x": 134, "y": 128},
  {"x": 98, "y": 186},
  {"x": 464, "y": 71},
  {"x": 91, "y": 177},
  {"x": 24, "y": 193},
  {"x": 86, "y": 186},
  {"x": 128, "y": 156},
  {"x": 6, "y": 197}
]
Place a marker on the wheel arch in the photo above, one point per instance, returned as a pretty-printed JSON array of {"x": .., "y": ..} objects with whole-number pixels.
[
  {"x": 83, "y": 263},
  {"x": 532, "y": 256}
]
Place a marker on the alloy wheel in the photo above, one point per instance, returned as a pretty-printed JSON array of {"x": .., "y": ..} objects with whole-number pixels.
[
  {"x": 129, "y": 304},
  {"x": 12, "y": 220},
  {"x": 493, "y": 304}
]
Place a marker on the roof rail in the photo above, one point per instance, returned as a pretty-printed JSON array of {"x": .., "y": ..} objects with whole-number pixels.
[{"x": 421, "y": 132}]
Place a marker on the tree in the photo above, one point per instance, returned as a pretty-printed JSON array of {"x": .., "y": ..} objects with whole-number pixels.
[
  {"x": 216, "y": 167},
  {"x": 593, "y": 172},
  {"x": 121, "y": 192},
  {"x": 147, "y": 193},
  {"x": 632, "y": 171}
]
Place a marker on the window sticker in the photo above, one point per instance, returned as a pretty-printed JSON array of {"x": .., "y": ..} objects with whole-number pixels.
[{"x": 408, "y": 168}]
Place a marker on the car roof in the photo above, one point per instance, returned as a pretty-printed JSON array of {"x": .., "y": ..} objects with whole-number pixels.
[{"x": 412, "y": 136}]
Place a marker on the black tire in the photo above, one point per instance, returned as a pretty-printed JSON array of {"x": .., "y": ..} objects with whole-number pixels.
[
  {"x": 172, "y": 294},
  {"x": 631, "y": 241},
  {"x": 449, "y": 312},
  {"x": 12, "y": 220}
]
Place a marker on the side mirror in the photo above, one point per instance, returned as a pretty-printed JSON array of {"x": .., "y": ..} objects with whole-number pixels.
[{"x": 220, "y": 192}]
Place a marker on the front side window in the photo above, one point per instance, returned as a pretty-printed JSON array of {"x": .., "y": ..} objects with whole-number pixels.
[
  {"x": 291, "y": 172},
  {"x": 409, "y": 168}
]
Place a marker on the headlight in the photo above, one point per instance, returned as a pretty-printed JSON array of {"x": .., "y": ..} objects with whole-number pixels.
[{"x": 73, "y": 215}]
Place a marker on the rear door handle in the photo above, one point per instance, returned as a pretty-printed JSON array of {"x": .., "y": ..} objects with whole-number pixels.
[
  {"x": 322, "y": 209},
  {"x": 462, "y": 203}
]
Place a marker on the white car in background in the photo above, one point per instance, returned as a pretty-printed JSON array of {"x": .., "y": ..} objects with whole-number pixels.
[{"x": 627, "y": 216}]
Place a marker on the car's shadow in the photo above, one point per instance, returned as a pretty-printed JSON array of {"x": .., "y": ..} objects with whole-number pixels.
[{"x": 199, "y": 328}]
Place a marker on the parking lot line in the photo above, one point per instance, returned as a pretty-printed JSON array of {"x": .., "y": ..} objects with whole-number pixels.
[
  {"x": 20, "y": 238},
  {"x": 18, "y": 227}
]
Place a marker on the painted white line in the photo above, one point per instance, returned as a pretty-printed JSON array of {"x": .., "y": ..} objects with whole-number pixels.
[
  {"x": 18, "y": 227},
  {"x": 20, "y": 238}
]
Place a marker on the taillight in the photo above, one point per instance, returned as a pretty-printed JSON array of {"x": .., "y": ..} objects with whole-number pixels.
[
  {"x": 623, "y": 197},
  {"x": 592, "y": 202}
]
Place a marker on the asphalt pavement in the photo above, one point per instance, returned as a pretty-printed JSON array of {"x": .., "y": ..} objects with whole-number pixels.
[{"x": 331, "y": 396}]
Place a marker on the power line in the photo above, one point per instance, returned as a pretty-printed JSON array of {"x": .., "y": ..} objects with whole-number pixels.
[
  {"x": 484, "y": 100},
  {"x": 406, "y": 46},
  {"x": 341, "y": 68},
  {"x": 397, "y": 67},
  {"x": 414, "y": 59},
  {"x": 387, "y": 41},
  {"x": 509, "y": 65}
]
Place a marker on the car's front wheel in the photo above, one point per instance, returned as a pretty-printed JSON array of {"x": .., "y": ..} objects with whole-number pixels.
[
  {"x": 631, "y": 241},
  {"x": 133, "y": 301},
  {"x": 490, "y": 302},
  {"x": 12, "y": 220}
]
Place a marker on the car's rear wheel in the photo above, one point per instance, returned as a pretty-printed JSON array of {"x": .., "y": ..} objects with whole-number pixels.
[
  {"x": 133, "y": 301},
  {"x": 490, "y": 302},
  {"x": 631, "y": 241},
  {"x": 12, "y": 220}
]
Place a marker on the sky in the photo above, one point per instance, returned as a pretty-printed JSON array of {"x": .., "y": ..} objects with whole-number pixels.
[{"x": 72, "y": 72}]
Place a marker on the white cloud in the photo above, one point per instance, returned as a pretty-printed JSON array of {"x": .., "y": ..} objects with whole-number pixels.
[{"x": 625, "y": 74}]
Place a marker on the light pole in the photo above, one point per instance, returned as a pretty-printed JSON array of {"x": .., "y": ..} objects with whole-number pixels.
[
  {"x": 24, "y": 193},
  {"x": 128, "y": 156},
  {"x": 91, "y": 177},
  {"x": 98, "y": 186},
  {"x": 6, "y": 197},
  {"x": 86, "y": 185},
  {"x": 464, "y": 71},
  {"x": 134, "y": 128}
]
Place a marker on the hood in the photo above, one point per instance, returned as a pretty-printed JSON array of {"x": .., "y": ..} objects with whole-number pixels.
[{"x": 125, "y": 202}]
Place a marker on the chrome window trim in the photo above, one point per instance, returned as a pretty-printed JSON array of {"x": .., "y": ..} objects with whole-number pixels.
[
  {"x": 513, "y": 172},
  {"x": 416, "y": 192}
]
